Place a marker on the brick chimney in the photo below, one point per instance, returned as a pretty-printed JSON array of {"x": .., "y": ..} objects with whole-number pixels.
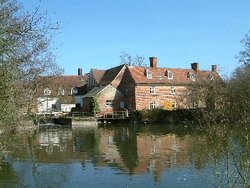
[
  {"x": 195, "y": 66},
  {"x": 214, "y": 68},
  {"x": 153, "y": 62},
  {"x": 79, "y": 71}
]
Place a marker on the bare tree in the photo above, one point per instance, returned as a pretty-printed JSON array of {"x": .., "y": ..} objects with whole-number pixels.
[
  {"x": 25, "y": 54},
  {"x": 132, "y": 61},
  {"x": 244, "y": 55}
]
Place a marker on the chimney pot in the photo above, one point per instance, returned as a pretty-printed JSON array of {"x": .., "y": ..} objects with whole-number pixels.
[
  {"x": 214, "y": 68},
  {"x": 79, "y": 71},
  {"x": 195, "y": 66},
  {"x": 153, "y": 62}
]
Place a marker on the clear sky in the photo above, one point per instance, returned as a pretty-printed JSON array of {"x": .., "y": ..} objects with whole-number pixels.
[{"x": 177, "y": 32}]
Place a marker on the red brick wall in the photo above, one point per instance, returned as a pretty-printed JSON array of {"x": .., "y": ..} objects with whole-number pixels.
[
  {"x": 127, "y": 87},
  {"x": 138, "y": 97},
  {"x": 162, "y": 95}
]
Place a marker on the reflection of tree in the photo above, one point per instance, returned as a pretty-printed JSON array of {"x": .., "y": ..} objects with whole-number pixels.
[
  {"x": 125, "y": 139},
  {"x": 86, "y": 140},
  {"x": 7, "y": 173},
  {"x": 226, "y": 153}
]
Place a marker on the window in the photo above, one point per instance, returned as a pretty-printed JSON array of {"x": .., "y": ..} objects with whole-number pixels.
[
  {"x": 109, "y": 103},
  {"x": 126, "y": 91},
  {"x": 149, "y": 74},
  {"x": 211, "y": 77},
  {"x": 152, "y": 89},
  {"x": 173, "y": 104},
  {"x": 191, "y": 76},
  {"x": 195, "y": 105},
  {"x": 73, "y": 91},
  {"x": 152, "y": 105},
  {"x": 169, "y": 74},
  {"x": 47, "y": 92},
  {"x": 122, "y": 104},
  {"x": 61, "y": 91},
  {"x": 173, "y": 90}
]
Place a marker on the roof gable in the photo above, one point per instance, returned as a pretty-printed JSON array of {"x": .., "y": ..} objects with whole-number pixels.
[
  {"x": 98, "y": 75},
  {"x": 111, "y": 74},
  {"x": 97, "y": 90}
]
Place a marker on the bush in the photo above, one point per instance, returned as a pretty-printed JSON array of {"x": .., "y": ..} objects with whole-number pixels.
[{"x": 165, "y": 116}]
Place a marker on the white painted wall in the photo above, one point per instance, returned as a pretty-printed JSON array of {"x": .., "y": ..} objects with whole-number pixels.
[
  {"x": 45, "y": 104},
  {"x": 67, "y": 107}
]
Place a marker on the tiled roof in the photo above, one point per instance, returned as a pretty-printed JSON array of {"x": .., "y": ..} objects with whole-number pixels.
[
  {"x": 98, "y": 75},
  {"x": 160, "y": 75},
  {"x": 110, "y": 75},
  {"x": 94, "y": 91},
  {"x": 64, "y": 82}
]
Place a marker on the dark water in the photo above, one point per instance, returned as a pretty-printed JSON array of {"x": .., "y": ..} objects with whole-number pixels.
[{"x": 128, "y": 156}]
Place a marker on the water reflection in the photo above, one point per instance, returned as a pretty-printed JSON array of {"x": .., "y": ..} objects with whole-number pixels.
[{"x": 160, "y": 155}]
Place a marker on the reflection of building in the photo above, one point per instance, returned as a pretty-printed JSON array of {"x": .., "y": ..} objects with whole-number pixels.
[
  {"x": 154, "y": 153},
  {"x": 108, "y": 146},
  {"x": 121, "y": 147},
  {"x": 51, "y": 139}
]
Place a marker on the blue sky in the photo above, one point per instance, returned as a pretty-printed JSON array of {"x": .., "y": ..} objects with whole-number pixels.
[{"x": 178, "y": 32}]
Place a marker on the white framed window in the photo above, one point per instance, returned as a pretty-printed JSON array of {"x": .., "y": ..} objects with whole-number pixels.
[
  {"x": 173, "y": 90},
  {"x": 47, "y": 92},
  {"x": 191, "y": 76},
  {"x": 152, "y": 105},
  {"x": 61, "y": 92},
  {"x": 152, "y": 89},
  {"x": 149, "y": 74},
  {"x": 211, "y": 77},
  {"x": 170, "y": 75},
  {"x": 195, "y": 105},
  {"x": 173, "y": 104},
  {"x": 109, "y": 103},
  {"x": 73, "y": 91}
]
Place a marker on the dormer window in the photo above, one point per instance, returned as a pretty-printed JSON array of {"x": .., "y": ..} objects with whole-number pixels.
[
  {"x": 61, "y": 91},
  {"x": 149, "y": 74},
  {"x": 191, "y": 76},
  {"x": 169, "y": 75},
  {"x": 47, "y": 92},
  {"x": 211, "y": 77},
  {"x": 73, "y": 91}
]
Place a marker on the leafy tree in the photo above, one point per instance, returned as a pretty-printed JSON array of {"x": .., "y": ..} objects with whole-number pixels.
[
  {"x": 25, "y": 55},
  {"x": 94, "y": 106},
  {"x": 132, "y": 61}
]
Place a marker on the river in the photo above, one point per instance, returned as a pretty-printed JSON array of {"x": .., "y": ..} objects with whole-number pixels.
[{"x": 128, "y": 156}]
